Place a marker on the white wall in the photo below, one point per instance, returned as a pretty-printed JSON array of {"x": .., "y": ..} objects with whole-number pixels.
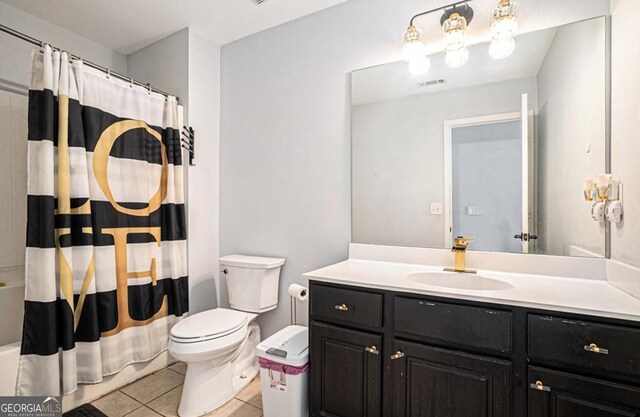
[
  {"x": 188, "y": 65},
  {"x": 571, "y": 116},
  {"x": 398, "y": 159},
  {"x": 15, "y": 64},
  {"x": 625, "y": 142},
  {"x": 625, "y": 147},
  {"x": 204, "y": 117},
  {"x": 13, "y": 181},
  {"x": 285, "y": 127}
]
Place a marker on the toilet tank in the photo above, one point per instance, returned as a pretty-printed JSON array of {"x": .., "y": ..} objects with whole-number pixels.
[{"x": 252, "y": 282}]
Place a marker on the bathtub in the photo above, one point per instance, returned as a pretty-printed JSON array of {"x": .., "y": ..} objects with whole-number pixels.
[{"x": 11, "y": 314}]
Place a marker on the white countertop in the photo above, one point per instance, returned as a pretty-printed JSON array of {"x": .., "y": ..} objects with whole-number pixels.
[{"x": 573, "y": 295}]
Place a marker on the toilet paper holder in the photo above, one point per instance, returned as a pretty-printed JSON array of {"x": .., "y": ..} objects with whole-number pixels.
[{"x": 296, "y": 293}]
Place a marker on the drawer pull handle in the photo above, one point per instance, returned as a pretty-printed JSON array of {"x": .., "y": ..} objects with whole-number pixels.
[
  {"x": 539, "y": 386},
  {"x": 397, "y": 355},
  {"x": 373, "y": 349},
  {"x": 595, "y": 349},
  {"x": 341, "y": 307}
]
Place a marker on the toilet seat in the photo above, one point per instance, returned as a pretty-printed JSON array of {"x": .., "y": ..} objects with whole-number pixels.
[{"x": 209, "y": 325}]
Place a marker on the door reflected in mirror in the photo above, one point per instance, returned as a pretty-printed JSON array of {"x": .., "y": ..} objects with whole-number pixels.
[{"x": 497, "y": 150}]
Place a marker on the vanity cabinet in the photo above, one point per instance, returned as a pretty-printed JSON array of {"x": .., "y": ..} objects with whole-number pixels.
[
  {"x": 565, "y": 395},
  {"x": 348, "y": 375},
  {"x": 429, "y": 381},
  {"x": 391, "y": 354}
]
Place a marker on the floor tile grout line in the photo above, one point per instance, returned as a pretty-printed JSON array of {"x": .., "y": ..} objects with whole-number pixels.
[
  {"x": 141, "y": 405},
  {"x": 127, "y": 395},
  {"x": 254, "y": 406},
  {"x": 154, "y": 398}
]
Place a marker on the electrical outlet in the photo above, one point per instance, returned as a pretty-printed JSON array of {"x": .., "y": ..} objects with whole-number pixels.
[
  {"x": 474, "y": 211},
  {"x": 436, "y": 209}
]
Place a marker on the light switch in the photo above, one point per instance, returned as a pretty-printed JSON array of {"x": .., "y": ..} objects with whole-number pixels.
[
  {"x": 474, "y": 211},
  {"x": 436, "y": 209}
]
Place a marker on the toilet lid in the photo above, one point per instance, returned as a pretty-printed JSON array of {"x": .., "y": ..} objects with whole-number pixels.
[{"x": 209, "y": 325}]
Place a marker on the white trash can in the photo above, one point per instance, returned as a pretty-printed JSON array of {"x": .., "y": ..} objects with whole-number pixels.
[{"x": 284, "y": 366}]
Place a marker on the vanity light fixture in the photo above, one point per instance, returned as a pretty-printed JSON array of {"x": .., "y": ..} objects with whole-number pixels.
[
  {"x": 454, "y": 26},
  {"x": 504, "y": 26},
  {"x": 414, "y": 51},
  {"x": 454, "y": 22}
]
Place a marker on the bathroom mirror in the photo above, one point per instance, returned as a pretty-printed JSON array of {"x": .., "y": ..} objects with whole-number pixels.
[{"x": 497, "y": 149}]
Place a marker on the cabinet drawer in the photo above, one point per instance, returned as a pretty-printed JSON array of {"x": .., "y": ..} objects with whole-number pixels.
[
  {"x": 469, "y": 326},
  {"x": 346, "y": 306},
  {"x": 555, "y": 393},
  {"x": 573, "y": 342}
]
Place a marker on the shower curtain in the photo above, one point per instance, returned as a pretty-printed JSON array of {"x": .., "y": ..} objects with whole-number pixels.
[{"x": 106, "y": 264}]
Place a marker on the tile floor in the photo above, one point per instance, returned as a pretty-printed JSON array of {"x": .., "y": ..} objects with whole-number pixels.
[{"x": 158, "y": 395}]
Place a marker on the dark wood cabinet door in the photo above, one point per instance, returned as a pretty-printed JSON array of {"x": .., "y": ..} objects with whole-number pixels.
[
  {"x": 434, "y": 382},
  {"x": 345, "y": 372},
  {"x": 559, "y": 394}
]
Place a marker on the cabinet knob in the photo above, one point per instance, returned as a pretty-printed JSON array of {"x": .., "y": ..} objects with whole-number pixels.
[
  {"x": 341, "y": 307},
  {"x": 373, "y": 349},
  {"x": 539, "y": 386},
  {"x": 595, "y": 349},
  {"x": 397, "y": 355}
]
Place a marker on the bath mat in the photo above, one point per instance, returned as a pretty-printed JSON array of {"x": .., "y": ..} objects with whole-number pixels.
[{"x": 85, "y": 410}]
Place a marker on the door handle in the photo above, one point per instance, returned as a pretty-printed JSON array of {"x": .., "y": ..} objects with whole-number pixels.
[
  {"x": 373, "y": 349},
  {"x": 595, "y": 349},
  {"x": 539, "y": 386},
  {"x": 525, "y": 237},
  {"x": 397, "y": 355},
  {"x": 341, "y": 307}
]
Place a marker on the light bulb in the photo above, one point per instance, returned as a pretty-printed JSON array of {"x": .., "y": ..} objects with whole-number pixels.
[
  {"x": 457, "y": 58},
  {"x": 413, "y": 50},
  {"x": 420, "y": 66},
  {"x": 412, "y": 46},
  {"x": 454, "y": 29},
  {"x": 502, "y": 48},
  {"x": 455, "y": 41},
  {"x": 504, "y": 27}
]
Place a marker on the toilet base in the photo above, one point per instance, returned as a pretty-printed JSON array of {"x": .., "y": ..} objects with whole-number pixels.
[{"x": 210, "y": 384}]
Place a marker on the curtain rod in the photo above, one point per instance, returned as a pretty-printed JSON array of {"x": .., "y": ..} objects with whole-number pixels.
[{"x": 40, "y": 43}]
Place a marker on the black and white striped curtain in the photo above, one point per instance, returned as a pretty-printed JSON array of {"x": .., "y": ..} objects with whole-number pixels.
[{"x": 106, "y": 260}]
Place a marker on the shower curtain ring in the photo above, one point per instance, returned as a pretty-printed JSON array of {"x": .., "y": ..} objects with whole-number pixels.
[
  {"x": 108, "y": 74},
  {"x": 130, "y": 82},
  {"x": 149, "y": 89}
]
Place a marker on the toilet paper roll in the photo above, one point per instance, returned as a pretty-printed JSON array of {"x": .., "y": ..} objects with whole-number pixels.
[{"x": 298, "y": 292}]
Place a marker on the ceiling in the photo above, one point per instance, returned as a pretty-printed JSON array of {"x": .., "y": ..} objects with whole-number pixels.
[
  {"x": 128, "y": 25},
  {"x": 391, "y": 81}
]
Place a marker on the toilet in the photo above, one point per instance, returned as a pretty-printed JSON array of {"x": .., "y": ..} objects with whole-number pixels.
[{"x": 219, "y": 345}]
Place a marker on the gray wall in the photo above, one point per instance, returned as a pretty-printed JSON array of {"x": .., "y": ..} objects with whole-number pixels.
[
  {"x": 285, "y": 128},
  {"x": 15, "y": 64},
  {"x": 487, "y": 173},
  {"x": 571, "y": 99},
  {"x": 398, "y": 159},
  {"x": 188, "y": 65}
]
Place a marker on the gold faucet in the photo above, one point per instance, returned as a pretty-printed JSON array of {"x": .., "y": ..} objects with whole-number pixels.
[{"x": 459, "y": 250}]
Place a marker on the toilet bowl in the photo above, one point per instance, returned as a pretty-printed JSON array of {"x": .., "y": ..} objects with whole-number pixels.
[{"x": 219, "y": 345}]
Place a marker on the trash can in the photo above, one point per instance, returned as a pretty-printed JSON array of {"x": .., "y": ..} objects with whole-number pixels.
[{"x": 284, "y": 365}]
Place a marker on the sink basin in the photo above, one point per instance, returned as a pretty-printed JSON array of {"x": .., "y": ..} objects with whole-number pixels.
[{"x": 459, "y": 281}]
